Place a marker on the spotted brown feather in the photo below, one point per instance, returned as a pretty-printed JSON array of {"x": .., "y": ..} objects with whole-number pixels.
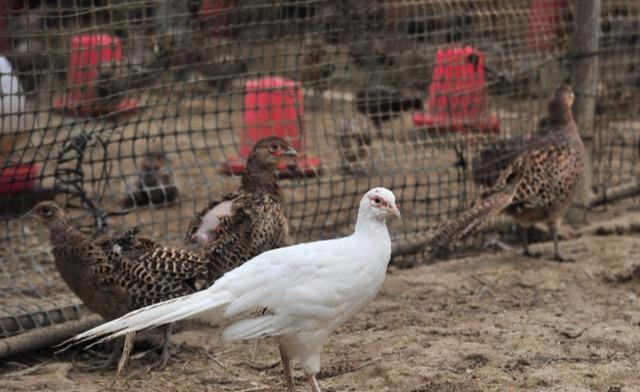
[
  {"x": 536, "y": 186},
  {"x": 257, "y": 221},
  {"x": 115, "y": 274}
]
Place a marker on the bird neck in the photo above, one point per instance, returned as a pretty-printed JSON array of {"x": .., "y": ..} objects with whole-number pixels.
[
  {"x": 260, "y": 178},
  {"x": 371, "y": 227},
  {"x": 64, "y": 233},
  {"x": 372, "y": 237},
  {"x": 559, "y": 114}
]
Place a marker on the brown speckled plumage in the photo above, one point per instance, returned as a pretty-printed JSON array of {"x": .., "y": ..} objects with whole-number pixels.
[
  {"x": 257, "y": 221},
  {"x": 114, "y": 275},
  {"x": 536, "y": 186}
]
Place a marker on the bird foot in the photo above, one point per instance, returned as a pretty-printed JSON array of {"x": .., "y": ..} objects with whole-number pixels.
[
  {"x": 161, "y": 363},
  {"x": 563, "y": 259},
  {"x": 96, "y": 367}
]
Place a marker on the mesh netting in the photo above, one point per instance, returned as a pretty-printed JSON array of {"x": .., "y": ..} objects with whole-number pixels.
[{"x": 140, "y": 112}]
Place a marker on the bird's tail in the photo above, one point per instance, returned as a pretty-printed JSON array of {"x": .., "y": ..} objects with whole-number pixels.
[
  {"x": 472, "y": 219},
  {"x": 166, "y": 312}
]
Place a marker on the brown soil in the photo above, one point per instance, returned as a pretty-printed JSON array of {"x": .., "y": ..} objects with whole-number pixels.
[{"x": 491, "y": 322}]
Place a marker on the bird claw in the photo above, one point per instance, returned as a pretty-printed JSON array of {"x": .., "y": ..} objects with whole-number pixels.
[{"x": 161, "y": 363}]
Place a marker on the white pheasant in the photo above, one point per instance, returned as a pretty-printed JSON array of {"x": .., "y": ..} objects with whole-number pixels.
[{"x": 298, "y": 294}]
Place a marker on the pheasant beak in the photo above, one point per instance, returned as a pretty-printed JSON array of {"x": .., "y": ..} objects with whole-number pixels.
[
  {"x": 290, "y": 152},
  {"x": 393, "y": 210},
  {"x": 27, "y": 215}
]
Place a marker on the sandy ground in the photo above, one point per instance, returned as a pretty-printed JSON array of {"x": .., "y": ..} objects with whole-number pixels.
[{"x": 489, "y": 322}]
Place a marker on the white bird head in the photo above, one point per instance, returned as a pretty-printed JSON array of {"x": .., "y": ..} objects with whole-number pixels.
[{"x": 379, "y": 203}]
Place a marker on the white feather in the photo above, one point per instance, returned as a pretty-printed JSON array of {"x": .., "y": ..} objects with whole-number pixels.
[{"x": 298, "y": 294}]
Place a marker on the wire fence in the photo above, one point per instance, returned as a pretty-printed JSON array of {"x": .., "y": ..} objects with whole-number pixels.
[{"x": 139, "y": 112}]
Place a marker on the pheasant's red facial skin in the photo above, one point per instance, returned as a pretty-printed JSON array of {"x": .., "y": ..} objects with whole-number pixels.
[
  {"x": 271, "y": 151},
  {"x": 381, "y": 204},
  {"x": 276, "y": 150},
  {"x": 378, "y": 202}
]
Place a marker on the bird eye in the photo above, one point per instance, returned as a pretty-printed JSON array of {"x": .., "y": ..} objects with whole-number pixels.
[
  {"x": 274, "y": 147},
  {"x": 47, "y": 212},
  {"x": 377, "y": 200}
]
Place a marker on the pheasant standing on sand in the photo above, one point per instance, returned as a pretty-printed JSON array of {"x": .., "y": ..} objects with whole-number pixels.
[
  {"x": 249, "y": 221},
  {"x": 114, "y": 275},
  {"x": 538, "y": 185},
  {"x": 298, "y": 294}
]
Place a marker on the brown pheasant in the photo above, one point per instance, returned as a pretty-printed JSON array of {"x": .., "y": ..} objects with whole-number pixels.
[
  {"x": 538, "y": 185},
  {"x": 114, "y": 275},
  {"x": 249, "y": 221}
]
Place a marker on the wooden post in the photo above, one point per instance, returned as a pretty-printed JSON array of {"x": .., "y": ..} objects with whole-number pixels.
[{"x": 584, "y": 71}]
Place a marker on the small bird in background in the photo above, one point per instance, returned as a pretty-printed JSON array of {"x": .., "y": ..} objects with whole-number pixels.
[
  {"x": 155, "y": 183},
  {"x": 371, "y": 55},
  {"x": 298, "y": 294},
  {"x": 116, "y": 274},
  {"x": 249, "y": 221},
  {"x": 221, "y": 72},
  {"x": 537, "y": 186},
  {"x": 354, "y": 138},
  {"x": 31, "y": 52},
  {"x": 317, "y": 66},
  {"x": 383, "y": 103},
  {"x": 116, "y": 80}
]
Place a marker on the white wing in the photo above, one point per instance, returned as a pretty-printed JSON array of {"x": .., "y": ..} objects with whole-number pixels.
[{"x": 299, "y": 288}]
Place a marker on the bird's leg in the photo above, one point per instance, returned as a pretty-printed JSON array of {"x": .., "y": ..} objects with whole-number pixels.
[
  {"x": 110, "y": 362},
  {"x": 255, "y": 351},
  {"x": 166, "y": 342},
  {"x": 311, "y": 379},
  {"x": 525, "y": 243},
  {"x": 557, "y": 256},
  {"x": 286, "y": 367},
  {"x": 129, "y": 340}
]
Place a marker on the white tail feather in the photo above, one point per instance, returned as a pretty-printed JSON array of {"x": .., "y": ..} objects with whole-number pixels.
[
  {"x": 158, "y": 314},
  {"x": 247, "y": 329}
]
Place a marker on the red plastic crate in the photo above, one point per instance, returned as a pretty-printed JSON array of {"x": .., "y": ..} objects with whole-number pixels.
[
  {"x": 88, "y": 51},
  {"x": 273, "y": 106},
  {"x": 545, "y": 19},
  {"x": 18, "y": 178},
  {"x": 216, "y": 14},
  {"x": 458, "y": 99}
]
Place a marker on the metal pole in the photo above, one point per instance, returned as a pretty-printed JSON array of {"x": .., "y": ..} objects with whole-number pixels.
[{"x": 584, "y": 73}]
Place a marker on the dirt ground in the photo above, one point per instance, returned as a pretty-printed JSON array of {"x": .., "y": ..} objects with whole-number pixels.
[{"x": 489, "y": 322}]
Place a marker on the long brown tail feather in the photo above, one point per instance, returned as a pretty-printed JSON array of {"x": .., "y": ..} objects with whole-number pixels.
[{"x": 471, "y": 220}]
